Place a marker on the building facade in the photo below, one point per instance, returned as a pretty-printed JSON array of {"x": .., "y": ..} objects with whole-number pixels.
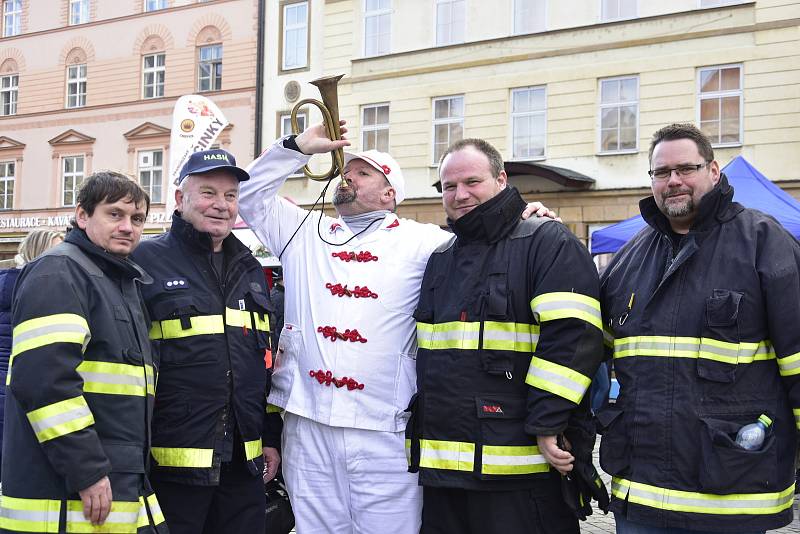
[
  {"x": 90, "y": 84},
  {"x": 579, "y": 85}
]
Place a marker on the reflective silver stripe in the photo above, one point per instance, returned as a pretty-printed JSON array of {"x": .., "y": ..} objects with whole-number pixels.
[
  {"x": 453, "y": 335},
  {"x": 557, "y": 379},
  {"x": 108, "y": 378},
  {"x": 123, "y": 519},
  {"x": 690, "y": 347},
  {"x": 49, "y": 329}
]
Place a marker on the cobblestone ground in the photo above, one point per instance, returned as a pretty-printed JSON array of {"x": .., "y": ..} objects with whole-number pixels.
[{"x": 599, "y": 523}]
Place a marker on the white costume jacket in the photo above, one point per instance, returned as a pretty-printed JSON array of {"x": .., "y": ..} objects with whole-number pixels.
[{"x": 324, "y": 370}]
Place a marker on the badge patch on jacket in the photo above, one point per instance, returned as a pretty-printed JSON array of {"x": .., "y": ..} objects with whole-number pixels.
[{"x": 175, "y": 283}]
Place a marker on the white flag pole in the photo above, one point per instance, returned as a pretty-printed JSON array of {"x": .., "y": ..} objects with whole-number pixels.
[{"x": 196, "y": 123}]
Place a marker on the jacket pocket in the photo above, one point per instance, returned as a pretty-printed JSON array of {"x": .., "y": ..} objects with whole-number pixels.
[
  {"x": 124, "y": 457},
  {"x": 615, "y": 449},
  {"x": 285, "y": 358},
  {"x": 727, "y": 468},
  {"x": 260, "y": 309},
  {"x": 506, "y": 451},
  {"x": 720, "y": 338}
]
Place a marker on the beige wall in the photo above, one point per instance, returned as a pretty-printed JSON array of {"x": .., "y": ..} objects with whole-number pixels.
[
  {"x": 665, "y": 46},
  {"x": 114, "y": 41}
]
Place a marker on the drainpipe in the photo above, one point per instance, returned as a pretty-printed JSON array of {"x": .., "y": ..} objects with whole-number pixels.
[{"x": 259, "y": 78}]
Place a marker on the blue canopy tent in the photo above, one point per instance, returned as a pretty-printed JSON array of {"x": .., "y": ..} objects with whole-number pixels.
[{"x": 751, "y": 189}]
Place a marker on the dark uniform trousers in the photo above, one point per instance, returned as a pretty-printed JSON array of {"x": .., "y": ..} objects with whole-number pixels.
[
  {"x": 528, "y": 511},
  {"x": 236, "y": 506}
]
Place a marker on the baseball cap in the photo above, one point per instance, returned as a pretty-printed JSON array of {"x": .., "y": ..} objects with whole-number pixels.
[
  {"x": 210, "y": 160},
  {"x": 387, "y": 165}
]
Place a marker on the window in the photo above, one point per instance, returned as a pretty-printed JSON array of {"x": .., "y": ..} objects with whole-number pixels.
[
  {"x": 153, "y": 71},
  {"x": 8, "y": 94},
  {"x": 286, "y": 122},
  {"x": 375, "y": 127},
  {"x": 7, "y": 170},
  {"x": 529, "y": 16},
  {"x": 295, "y": 36},
  {"x": 619, "y": 114},
  {"x": 154, "y": 5},
  {"x": 720, "y": 104},
  {"x": 12, "y": 17},
  {"x": 617, "y": 9},
  {"x": 448, "y": 123},
  {"x": 450, "y": 21},
  {"x": 377, "y": 27},
  {"x": 78, "y": 12},
  {"x": 210, "y": 68},
  {"x": 71, "y": 178},
  {"x": 76, "y": 86},
  {"x": 528, "y": 122},
  {"x": 150, "y": 173}
]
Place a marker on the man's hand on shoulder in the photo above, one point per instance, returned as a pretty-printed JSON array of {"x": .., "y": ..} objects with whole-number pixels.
[
  {"x": 96, "y": 501},
  {"x": 540, "y": 210},
  {"x": 315, "y": 140}
]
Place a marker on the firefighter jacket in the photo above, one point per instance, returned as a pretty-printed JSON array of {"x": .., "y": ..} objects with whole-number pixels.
[
  {"x": 79, "y": 393},
  {"x": 706, "y": 337},
  {"x": 347, "y": 349},
  {"x": 509, "y": 333},
  {"x": 211, "y": 335}
]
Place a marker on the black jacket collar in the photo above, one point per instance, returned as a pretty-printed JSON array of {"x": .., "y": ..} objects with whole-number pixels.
[
  {"x": 201, "y": 241},
  {"x": 716, "y": 207},
  {"x": 111, "y": 265},
  {"x": 491, "y": 221}
]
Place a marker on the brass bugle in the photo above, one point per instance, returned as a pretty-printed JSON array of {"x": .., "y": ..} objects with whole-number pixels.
[{"x": 330, "y": 116}]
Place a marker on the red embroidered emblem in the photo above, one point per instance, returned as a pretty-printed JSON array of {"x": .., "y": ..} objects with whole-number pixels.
[
  {"x": 386, "y": 169},
  {"x": 335, "y": 226},
  {"x": 359, "y": 292},
  {"x": 395, "y": 224},
  {"x": 327, "y": 378},
  {"x": 361, "y": 257},
  {"x": 348, "y": 335},
  {"x": 492, "y": 409}
]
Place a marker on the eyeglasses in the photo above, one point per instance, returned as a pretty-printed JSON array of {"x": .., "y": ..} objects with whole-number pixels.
[{"x": 659, "y": 175}]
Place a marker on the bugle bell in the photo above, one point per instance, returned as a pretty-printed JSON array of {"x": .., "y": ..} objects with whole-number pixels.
[{"x": 330, "y": 115}]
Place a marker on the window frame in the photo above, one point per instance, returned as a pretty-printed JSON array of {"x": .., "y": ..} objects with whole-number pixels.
[
  {"x": 377, "y": 127},
  {"x": 618, "y": 104},
  {"x": 77, "y": 81},
  {"x": 75, "y": 186},
  {"x": 16, "y": 17},
  {"x": 212, "y": 62},
  {"x": 7, "y": 198},
  {"x": 721, "y": 94},
  {"x": 150, "y": 169},
  {"x": 614, "y": 19},
  {"x": 280, "y": 116},
  {"x": 13, "y": 92},
  {"x": 284, "y": 5},
  {"x": 451, "y": 41},
  {"x": 159, "y": 5},
  {"x": 449, "y": 120},
  {"x": 83, "y": 12},
  {"x": 387, "y": 11},
  {"x": 514, "y": 18},
  {"x": 155, "y": 71},
  {"x": 522, "y": 114}
]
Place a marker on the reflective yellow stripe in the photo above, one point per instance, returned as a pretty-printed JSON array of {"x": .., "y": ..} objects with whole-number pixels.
[
  {"x": 60, "y": 418},
  {"x": 116, "y": 378},
  {"x": 42, "y": 331},
  {"x": 181, "y": 457},
  {"x": 789, "y": 365},
  {"x": 557, "y": 379},
  {"x": 796, "y": 412},
  {"x": 200, "y": 326},
  {"x": 155, "y": 511},
  {"x": 452, "y": 455},
  {"x": 29, "y": 515},
  {"x": 271, "y": 408},
  {"x": 608, "y": 339},
  {"x": 512, "y": 460},
  {"x": 408, "y": 451},
  {"x": 562, "y": 305},
  {"x": 253, "y": 449},
  {"x": 452, "y": 335},
  {"x": 123, "y": 518},
  {"x": 518, "y": 337},
  {"x": 702, "y": 503},
  {"x": 693, "y": 347}
]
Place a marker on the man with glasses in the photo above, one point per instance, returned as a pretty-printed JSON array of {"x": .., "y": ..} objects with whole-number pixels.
[{"x": 701, "y": 309}]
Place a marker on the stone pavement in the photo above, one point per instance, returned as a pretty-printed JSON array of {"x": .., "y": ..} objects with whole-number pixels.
[{"x": 598, "y": 523}]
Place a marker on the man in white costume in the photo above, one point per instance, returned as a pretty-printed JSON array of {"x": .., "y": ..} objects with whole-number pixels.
[{"x": 345, "y": 365}]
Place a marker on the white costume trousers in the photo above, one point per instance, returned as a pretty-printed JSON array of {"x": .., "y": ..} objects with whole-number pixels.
[{"x": 349, "y": 480}]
